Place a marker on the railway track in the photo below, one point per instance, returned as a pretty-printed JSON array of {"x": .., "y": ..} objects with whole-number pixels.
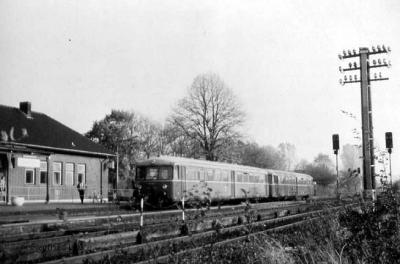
[
  {"x": 181, "y": 245},
  {"x": 83, "y": 236}
]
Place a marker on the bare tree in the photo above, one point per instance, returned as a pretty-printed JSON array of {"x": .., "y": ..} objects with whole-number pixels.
[{"x": 209, "y": 114}]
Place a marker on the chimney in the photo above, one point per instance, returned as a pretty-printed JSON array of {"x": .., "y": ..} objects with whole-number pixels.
[{"x": 25, "y": 107}]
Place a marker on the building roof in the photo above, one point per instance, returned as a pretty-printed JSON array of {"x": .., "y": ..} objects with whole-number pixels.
[{"x": 37, "y": 130}]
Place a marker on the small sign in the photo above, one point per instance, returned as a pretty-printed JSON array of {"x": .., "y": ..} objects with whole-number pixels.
[{"x": 28, "y": 162}]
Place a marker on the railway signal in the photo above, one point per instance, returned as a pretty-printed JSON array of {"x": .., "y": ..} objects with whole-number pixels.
[
  {"x": 389, "y": 146},
  {"x": 335, "y": 143},
  {"x": 364, "y": 67}
]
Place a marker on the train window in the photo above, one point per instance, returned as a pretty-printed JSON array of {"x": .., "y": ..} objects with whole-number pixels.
[
  {"x": 164, "y": 174},
  {"x": 239, "y": 177},
  {"x": 152, "y": 174},
  {"x": 224, "y": 176},
  {"x": 141, "y": 172},
  {"x": 210, "y": 175},
  {"x": 191, "y": 174},
  {"x": 245, "y": 178}
]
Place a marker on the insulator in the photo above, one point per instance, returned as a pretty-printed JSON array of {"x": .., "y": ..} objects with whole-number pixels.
[
  {"x": 355, "y": 64},
  {"x": 349, "y": 52},
  {"x": 340, "y": 56},
  {"x": 379, "y": 48},
  {"x": 354, "y": 52},
  {"x": 355, "y": 77},
  {"x": 379, "y": 61},
  {"x": 375, "y": 76},
  {"x": 383, "y": 48},
  {"x": 373, "y": 49},
  {"x": 384, "y": 61},
  {"x": 380, "y": 75},
  {"x": 340, "y": 69},
  {"x": 350, "y": 65},
  {"x": 350, "y": 78},
  {"x": 388, "y": 49},
  {"x": 341, "y": 82},
  {"x": 374, "y": 62},
  {"x": 344, "y": 52},
  {"x": 345, "y": 78}
]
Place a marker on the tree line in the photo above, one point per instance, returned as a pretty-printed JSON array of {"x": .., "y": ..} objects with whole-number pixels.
[{"x": 204, "y": 124}]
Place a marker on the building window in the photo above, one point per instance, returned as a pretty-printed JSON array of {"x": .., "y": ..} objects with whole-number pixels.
[
  {"x": 69, "y": 174},
  {"x": 43, "y": 172},
  {"x": 82, "y": 173},
  {"x": 29, "y": 176},
  {"x": 57, "y": 172}
]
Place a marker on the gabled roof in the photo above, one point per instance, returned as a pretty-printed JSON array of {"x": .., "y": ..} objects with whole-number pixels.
[{"x": 40, "y": 131}]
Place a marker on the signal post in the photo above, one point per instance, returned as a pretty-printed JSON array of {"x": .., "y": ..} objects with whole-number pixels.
[{"x": 364, "y": 66}]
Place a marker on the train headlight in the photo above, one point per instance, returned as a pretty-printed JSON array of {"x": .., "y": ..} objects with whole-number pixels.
[{"x": 164, "y": 186}]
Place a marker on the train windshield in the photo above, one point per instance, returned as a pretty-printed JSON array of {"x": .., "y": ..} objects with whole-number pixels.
[{"x": 154, "y": 173}]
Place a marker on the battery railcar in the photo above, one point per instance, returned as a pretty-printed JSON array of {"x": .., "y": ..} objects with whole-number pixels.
[{"x": 171, "y": 178}]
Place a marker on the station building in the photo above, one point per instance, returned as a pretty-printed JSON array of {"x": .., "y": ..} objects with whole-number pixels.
[{"x": 43, "y": 160}]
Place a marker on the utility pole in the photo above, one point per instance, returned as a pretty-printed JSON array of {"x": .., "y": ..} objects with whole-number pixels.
[
  {"x": 364, "y": 66},
  {"x": 335, "y": 144}
]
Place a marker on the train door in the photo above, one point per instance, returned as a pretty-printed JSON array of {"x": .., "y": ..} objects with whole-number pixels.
[
  {"x": 276, "y": 185},
  {"x": 270, "y": 194},
  {"x": 233, "y": 184}
]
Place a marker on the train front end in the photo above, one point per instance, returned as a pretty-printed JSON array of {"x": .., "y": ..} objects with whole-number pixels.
[{"x": 154, "y": 181}]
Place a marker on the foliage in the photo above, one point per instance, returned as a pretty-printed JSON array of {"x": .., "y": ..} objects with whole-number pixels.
[
  {"x": 373, "y": 232},
  {"x": 209, "y": 115},
  {"x": 288, "y": 153},
  {"x": 129, "y": 133},
  {"x": 261, "y": 156},
  {"x": 322, "y": 170}
]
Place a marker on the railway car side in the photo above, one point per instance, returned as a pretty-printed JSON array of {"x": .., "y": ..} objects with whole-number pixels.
[{"x": 171, "y": 178}]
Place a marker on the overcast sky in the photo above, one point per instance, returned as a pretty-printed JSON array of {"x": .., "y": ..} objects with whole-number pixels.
[{"x": 77, "y": 60}]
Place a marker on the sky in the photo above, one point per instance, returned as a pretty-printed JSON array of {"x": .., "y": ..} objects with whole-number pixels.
[{"x": 76, "y": 60}]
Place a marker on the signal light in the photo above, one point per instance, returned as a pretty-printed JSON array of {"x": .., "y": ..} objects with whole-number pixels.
[
  {"x": 335, "y": 142},
  {"x": 389, "y": 140}
]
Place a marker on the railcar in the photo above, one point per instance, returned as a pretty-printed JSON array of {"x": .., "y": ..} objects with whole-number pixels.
[{"x": 171, "y": 178}]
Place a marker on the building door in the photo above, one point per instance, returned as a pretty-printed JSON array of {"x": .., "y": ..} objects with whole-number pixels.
[{"x": 3, "y": 177}]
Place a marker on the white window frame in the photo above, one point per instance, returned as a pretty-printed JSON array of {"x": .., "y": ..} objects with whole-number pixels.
[
  {"x": 33, "y": 175},
  {"x": 57, "y": 171},
  {"x": 69, "y": 178},
  {"x": 43, "y": 170},
  {"x": 78, "y": 171}
]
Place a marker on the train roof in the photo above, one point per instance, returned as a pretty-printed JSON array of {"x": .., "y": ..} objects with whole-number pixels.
[{"x": 171, "y": 160}]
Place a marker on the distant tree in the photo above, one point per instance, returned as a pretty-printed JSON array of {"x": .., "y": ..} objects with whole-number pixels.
[
  {"x": 262, "y": 157},
  {"x": 302, "y": 165},
  {"x": 322, "y": 170},
  {"x": 209, "y": 114},
  {"x": 349, "y": 179},
  {"x": 288, "y": 152},
  {"x": 131, "y": 135},
  {"x": 175, "y": 142}
]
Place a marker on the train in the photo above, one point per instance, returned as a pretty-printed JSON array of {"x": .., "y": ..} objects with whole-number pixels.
[{"x": 171, "y": 179}]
